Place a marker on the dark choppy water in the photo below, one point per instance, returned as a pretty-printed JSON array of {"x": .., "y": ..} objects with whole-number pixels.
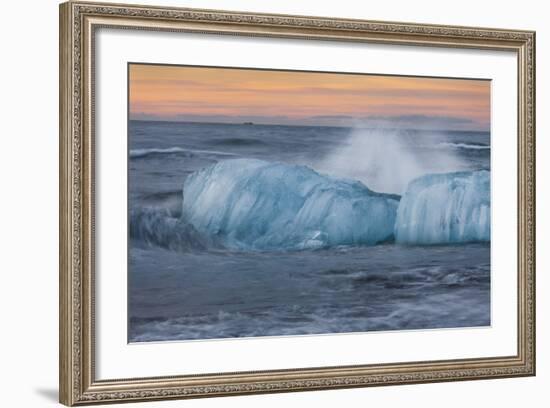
[{"x": 200, "y": 290}]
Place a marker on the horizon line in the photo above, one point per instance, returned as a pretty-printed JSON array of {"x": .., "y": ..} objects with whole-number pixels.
[{"x": 250, "y": 123}]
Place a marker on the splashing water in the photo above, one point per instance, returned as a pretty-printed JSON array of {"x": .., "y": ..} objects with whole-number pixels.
[{"x": 387, "y": 160}]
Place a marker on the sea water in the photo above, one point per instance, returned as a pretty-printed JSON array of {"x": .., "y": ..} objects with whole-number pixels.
[{"x": 262, "y": 230}]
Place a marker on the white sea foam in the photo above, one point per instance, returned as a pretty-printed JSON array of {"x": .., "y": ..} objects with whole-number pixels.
[
  {"x": 139, "y": 153},
  {"x": 465, "y": 146}
]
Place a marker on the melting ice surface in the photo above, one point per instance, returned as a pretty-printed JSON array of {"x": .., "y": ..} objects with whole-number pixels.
[
  {"x": 255, "y": 204},
  {"x": 445, "y": 208}
]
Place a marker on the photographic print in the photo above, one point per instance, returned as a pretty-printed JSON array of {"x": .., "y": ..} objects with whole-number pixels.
[
  {"x": 281, "y": 203},
  {"x": 280, "y": 219}
]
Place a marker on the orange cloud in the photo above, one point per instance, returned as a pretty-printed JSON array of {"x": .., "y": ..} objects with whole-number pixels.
[{"x": 171, "y": 92}]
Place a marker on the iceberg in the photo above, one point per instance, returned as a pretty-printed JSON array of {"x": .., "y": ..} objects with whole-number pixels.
[
  {"x": 445, "y": 208},
  {"x": 257, "y": 205}
]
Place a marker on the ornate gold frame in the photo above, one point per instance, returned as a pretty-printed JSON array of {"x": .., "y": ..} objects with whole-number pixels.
[{"x": 78, "y": 22}]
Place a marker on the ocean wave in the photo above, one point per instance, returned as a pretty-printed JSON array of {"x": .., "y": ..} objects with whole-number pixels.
[
  {"x": 143, "y": 153},
  {"x": 168, "y": 201},
  {"x": 451, "y": 309},
  {"x": 139, "y": 153},
  {"x": 466, "y": 146},
  {"x": 157, "y": 227}
]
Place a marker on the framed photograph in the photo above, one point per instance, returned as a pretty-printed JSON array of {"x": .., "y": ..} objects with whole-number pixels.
[{"x": 256, "y": 203}]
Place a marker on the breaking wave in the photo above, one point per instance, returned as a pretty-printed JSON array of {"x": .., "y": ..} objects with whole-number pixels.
[
  {"x": 387, "y": 161},
  {"x": 144, "y": 153},
  {"x": 466, "y": 146}
]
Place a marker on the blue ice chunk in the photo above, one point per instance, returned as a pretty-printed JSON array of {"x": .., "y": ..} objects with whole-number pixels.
[
  {"x": 445, "y": 208},
  {"x": 257, "y": 205}
]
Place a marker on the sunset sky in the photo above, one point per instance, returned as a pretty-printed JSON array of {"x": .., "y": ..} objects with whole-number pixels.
[{"x": 181, "y": 93}]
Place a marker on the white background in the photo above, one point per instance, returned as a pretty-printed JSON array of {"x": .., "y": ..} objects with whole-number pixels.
[{"x": 28, "y": 167}]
